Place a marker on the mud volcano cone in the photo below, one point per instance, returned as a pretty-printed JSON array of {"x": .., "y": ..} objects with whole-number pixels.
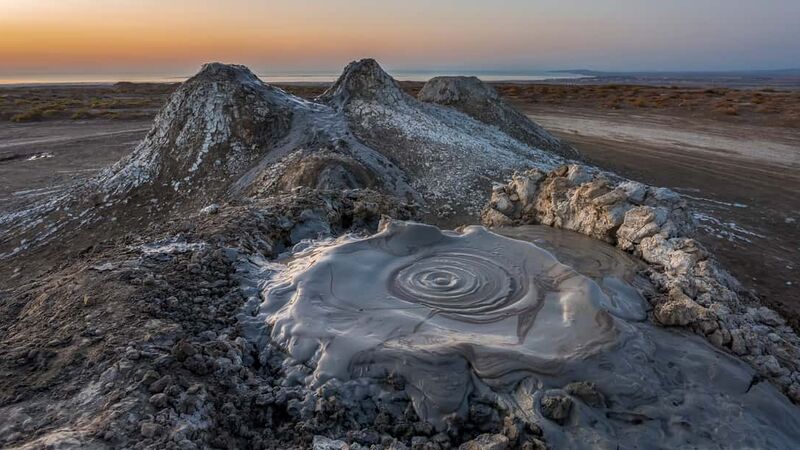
[{"x": 480, "y": 101}]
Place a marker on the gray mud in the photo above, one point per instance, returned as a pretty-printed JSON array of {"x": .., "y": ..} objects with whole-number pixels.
[{"x": 460, "y": 317}]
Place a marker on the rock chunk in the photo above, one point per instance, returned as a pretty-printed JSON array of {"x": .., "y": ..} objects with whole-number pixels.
[
  {"x": 556, "y": 407},
  {"x": 587, "y": 392},
  {"x": 323, "y": 443},
  {"x": 486, "y": 442},
  {"x": 679, "y": 310}
]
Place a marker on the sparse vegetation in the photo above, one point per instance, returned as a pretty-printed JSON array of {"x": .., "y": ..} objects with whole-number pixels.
[
  {"x": 135, "y": 101},
  {"x": 121, "y": 101},
  {"x": 768, "y": 106}
]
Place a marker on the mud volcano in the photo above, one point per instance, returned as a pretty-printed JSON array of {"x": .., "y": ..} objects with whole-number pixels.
[{"x": 475, "y": 316}]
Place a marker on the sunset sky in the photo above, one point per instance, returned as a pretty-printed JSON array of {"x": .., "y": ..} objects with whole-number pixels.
[{"x": 175, "y": 36}]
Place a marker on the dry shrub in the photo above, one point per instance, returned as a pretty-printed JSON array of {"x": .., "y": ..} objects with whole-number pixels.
[
  {"x": 31, "y": 115},
  {"x": 82, "y": 113},
  {"x": 731, "y": 111},
  {"x": 767, "y": 109},
  {"x": 726, "y": 108}
]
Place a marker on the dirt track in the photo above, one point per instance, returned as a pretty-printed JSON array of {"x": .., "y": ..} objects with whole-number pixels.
[
  {"x": 743, "y": 183},
  {"x": 42, "y": 158}
]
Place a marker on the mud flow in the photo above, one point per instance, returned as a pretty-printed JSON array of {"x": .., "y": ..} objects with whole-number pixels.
[{"x": 459, "y": 316}]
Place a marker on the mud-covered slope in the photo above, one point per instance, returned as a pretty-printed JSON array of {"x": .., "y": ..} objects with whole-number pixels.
[
  {"x": 226, "y": 135},
  {"x": 478, "y": 100},
  {"x": 213, "y": 128},
  {"x": 449, "y": 156}
]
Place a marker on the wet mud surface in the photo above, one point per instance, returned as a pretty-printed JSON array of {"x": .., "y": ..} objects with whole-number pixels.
[{"x": 474, "y": 315}]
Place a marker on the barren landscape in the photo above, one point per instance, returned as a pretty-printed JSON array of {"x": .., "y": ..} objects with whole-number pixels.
[
  {"x": 228, "y": 264},
  {"x": 399, "y": 225},
  {"x": 733, "y": 153}
]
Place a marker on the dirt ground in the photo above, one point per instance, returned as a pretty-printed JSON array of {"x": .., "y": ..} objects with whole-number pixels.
[
  {"x": 739, "y": 169},
  {"x": 42, "y": 158}
]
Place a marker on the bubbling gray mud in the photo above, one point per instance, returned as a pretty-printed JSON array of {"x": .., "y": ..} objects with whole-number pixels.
[{"x": 475, "y": 315}]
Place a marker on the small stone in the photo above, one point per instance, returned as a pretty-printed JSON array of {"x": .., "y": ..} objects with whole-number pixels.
[
  {"x": 678, "y": 310},
  {"x": 716, "y": 338},
  {"x": 149, "y": 429},
  {"x": 159, "y": 401},
  {"x": 525, "y": 188},
  {"x": 534, "y": 444},
  {"x": 534, "y": 428},
  {"x": 160, "y": 384},
  {"x": 587, "y": 392},
  {"x": 423, "y": 428},
  {"x": 794, "y": 392},
  {"x": 768, "y": 317},
  {"x": 493, "y": 217},
  {"x": 772, "y": 365},
  {"x": 512, "y": 428},
  {"x": 396, "y": 445},
  {"x": 149, "y": 377},
  {"x": 738, "y": 345},
  {"x": 486, "y": 442},
  {"x": 323, "y": 443},
  {"x": 502, "y": 203},
  {"x": 210, "y": 209},
  {"x": 556, "y": 407},
  {"x": 183, "y": 350},
  {"x": 441, "y": 438},
  {"x": 421, "y": 443},
  {"x": 207, "y": 336}
]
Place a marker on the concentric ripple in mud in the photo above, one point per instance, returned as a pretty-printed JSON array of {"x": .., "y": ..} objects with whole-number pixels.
[
  {"x": 469, "y": 286},
  {"x": 368, "y": 306},
  {"x": 475, "y": 315}
]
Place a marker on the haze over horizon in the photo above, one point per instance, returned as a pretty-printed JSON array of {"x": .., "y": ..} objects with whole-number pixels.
[{"x": 515, "y": 36}]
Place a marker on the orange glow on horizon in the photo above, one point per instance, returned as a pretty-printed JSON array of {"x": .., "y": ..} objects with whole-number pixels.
[
  {"x": 75, "y": 34},
  {"x": 72, "y": 35}
]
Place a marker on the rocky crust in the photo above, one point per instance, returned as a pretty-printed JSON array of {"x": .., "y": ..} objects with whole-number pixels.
[
  {"x": 480, "y": 101},
  {"x": 655, "y": 225}
]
